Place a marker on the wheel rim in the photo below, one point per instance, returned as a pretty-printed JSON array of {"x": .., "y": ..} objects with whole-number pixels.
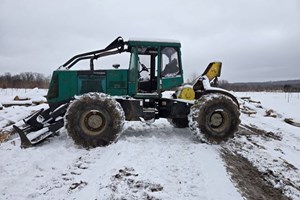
[
  {"x": 218, "y": 121},
  {"x": 93, "y": 122}
]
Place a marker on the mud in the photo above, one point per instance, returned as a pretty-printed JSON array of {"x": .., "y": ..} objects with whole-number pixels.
[
  {"x": 126, "y": 184},
  {"x": 4, "y": 136},
  {"x": 250, "y": 182},
  {"x": 253, "y": 130},
  {"x": 6, "y": 132}
]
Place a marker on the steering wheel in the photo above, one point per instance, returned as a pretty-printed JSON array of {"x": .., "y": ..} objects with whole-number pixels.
[{"x": 144, "y": 68}]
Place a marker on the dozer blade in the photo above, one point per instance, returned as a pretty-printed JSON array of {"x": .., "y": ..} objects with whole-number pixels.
[
  {"x": 26, "y": 142},
  {"x": 41, "y": 125},
  {"x": 40, "y": 135},
  {"x": 32, "y": 119}
]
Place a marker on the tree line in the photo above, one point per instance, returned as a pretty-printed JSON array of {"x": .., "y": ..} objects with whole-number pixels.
[
  {"x": 271, "y": 86},
  {"x": 24, "y": 80},
  {"x": 33, "y": 79}
]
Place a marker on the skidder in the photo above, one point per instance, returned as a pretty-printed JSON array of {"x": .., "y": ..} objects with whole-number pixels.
[{"x": 94, "y": 103}]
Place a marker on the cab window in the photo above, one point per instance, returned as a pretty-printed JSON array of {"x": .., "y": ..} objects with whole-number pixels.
[{"x": 169, "y": 62}]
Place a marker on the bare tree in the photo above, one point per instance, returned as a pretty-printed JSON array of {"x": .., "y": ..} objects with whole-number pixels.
[{"x": 24, "y": 80}]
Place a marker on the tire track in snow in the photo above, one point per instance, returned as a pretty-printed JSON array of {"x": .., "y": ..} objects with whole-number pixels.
[
  {"x": 259, "y": 173},
  {"x": 162, "y": 156}
]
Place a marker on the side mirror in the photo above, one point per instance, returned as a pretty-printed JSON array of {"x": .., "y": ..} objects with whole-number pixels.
[{"x": 116, "y": 66}]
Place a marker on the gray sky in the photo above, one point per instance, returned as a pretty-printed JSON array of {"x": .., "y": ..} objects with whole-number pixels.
[{"x": 256, "y": 40}]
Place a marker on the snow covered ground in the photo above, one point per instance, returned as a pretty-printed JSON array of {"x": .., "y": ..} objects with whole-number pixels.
[
  {"x": 154, "y": 161},
  {"x": 271, "y": 144}
]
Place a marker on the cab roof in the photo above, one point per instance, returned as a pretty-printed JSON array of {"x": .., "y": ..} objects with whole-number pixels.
[{"x": 153, "y": 42}]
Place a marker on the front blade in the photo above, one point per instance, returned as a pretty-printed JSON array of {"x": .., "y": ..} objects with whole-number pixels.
[{"x": 36, "y": 137}]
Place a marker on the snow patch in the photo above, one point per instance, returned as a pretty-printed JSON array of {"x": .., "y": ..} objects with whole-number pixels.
[{"x": 156, "y": 156}]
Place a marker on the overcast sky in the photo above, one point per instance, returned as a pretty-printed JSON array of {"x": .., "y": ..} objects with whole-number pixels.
[{"x": 257, "y": 40}]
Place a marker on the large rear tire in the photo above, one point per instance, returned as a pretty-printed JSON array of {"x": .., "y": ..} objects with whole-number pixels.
[
  {"x": 94, "y": 119},
  {"x": 214, "y": 118}
]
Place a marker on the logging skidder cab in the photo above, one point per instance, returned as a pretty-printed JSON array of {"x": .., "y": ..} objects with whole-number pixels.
[{"x": 94, "y": 103}]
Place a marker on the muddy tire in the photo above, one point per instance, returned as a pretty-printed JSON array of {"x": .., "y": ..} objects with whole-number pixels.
[
  {"x": 94, "y": 119},
  {"x": 179, "y": 122},
  {"x": 214, "y": 118}
]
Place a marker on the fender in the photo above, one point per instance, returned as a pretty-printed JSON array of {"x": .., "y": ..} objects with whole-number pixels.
[
  {"x": 208, "y": 89},
  {"x": 225, "y": 93}
]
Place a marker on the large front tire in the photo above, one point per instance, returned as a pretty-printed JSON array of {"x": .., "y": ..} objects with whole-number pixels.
[
  {"x": 214, "y": 118},
  {"x": 94, "y": 119}
]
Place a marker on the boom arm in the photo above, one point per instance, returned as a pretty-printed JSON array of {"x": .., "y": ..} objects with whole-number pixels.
[{"x": 117, "y": 46}]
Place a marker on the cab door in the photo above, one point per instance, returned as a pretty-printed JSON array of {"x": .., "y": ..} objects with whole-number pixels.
[{"x": 171, "y": 68}]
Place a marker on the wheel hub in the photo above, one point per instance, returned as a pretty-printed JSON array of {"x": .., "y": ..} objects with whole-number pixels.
[
  {"x": 92, "y": 122},
  {"x": 216, "y": 119}
]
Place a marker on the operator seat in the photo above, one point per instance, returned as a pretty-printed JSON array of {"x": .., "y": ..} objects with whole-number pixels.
[{"x": 171, "y": 68}]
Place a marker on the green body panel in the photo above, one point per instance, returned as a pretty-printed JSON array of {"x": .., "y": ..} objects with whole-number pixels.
[
  {"x": 117, "y": 82},
  {"x": 171, "y": 82},
  {"x": 66, "y": 84},
  {"x": 132, "y": 88},
  {"x": 91, "y": 83},
  {"x": 63, "y": 86},
  {"x": 133, "y": 73},
  {"x": 159, "y": 85}
]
